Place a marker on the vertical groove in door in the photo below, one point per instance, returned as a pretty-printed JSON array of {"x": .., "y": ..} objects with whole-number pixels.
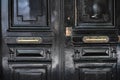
[
  {"x": 62, "y": 41},
  {"x": 55, "y": 18}
]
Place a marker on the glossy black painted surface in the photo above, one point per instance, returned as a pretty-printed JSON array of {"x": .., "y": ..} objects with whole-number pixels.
[{"x": 35, "y": 46}]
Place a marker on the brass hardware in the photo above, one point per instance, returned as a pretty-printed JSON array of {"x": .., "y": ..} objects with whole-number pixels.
[
  {"x": 29, "y": 40},
  {"x": 118, "y": 38},
  {"x": 68, "y": 18},
  {"x": 68, "y": 31},
  {"x": 95, "y": 39}
]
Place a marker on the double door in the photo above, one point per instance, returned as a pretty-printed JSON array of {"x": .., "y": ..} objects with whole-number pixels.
[{"x": 60, "y": 39}]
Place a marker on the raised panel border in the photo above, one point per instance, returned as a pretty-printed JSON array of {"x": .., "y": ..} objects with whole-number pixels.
[
  {"x": 13, "y": 27},
  {"x": 79, "y": 53},
  {"x": 46, "y": 55},
  {"x": 17, "y": 69},
  {"x": 108, "y": 68},
  {"x": 94, "y": 25}
]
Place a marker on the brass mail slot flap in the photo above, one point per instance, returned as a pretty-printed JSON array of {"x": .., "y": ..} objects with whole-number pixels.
[
  {"x": 95, "y": 39},
  {"x": 29, "y": 40}
]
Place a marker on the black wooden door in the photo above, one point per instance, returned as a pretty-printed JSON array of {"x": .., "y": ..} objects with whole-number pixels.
[
  {"x": 91, "y": 49},
  {"x": 60, "y": 39},
  {"x": 30, "y": 47}
]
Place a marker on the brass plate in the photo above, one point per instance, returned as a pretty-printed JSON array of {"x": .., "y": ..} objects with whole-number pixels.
[
  {"x": 95, "y": 39},
  {"x": 119, "y": 38},
  {"x": 29, "y": 40},
  {"x": 68, "y": 31}
]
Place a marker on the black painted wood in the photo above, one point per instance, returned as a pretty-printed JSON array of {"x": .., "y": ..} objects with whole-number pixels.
[{"x": 34, "y": 44}]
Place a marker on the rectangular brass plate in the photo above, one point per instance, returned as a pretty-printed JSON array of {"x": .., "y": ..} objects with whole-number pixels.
[
  {"x": 68, "y": 31},
  {"x": 29, "y": 40},
  {"x": 119, "y": 38},
  {"x": 95, "y": 39}
]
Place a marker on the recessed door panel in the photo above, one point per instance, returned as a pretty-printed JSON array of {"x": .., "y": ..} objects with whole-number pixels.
[
  {"x": 90, "y": 14},
  {"x": 29, "y": 14},
  {"x": 96, "y": 71},
  {"x": 94, "y": 12},
  {"x": 23, "y": 72}
]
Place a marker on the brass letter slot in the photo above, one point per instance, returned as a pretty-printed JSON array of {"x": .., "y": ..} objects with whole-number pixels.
[
  {"x": 95, "y": 39},
  {"x": 29, "y": 40}
]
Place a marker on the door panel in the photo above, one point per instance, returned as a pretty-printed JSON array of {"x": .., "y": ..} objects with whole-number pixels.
[
  {"x": 28, "y": 71},
  {"x": 30, "y": 53},
  {"x": 95, "y": 52},
  {"x": 94, "y": 11},
  {"x": 91, "y": 48},
  {"x": 28, "y": 35},
  {"x": 24, "y": 14},
  {"x": 90, "y": 71}
]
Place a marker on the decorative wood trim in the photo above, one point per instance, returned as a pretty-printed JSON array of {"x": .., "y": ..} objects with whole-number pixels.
[{"x": 27, "y": 25}]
